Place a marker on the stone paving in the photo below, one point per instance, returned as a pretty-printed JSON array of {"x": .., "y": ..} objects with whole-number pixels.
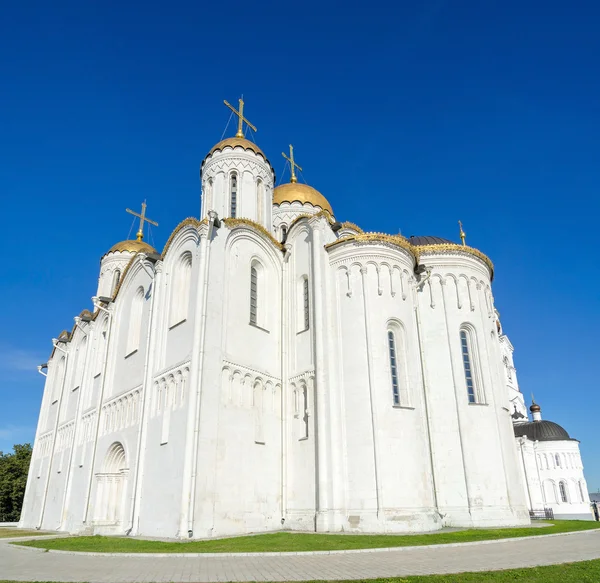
[{"x": 27, "y": 564}]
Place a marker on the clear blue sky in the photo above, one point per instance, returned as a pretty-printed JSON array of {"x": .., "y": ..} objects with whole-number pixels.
[{"x": 406, "y": 115}]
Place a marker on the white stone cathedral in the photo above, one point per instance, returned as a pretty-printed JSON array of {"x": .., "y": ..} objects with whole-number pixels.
[{"x": 276, "y": 369}]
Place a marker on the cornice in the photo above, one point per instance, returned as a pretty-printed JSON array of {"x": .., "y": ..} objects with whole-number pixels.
[
  {"x": 349, "y": 225},
  {"x": 377, "y": 238},
  {"x": 239, "y": 157},
  {"x": 456, "y": 249},
  {"x": 235, "y": 223},
  {"x": 193, "y": 221}
]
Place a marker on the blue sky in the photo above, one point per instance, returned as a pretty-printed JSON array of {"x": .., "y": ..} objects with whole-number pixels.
[{"x": 406, "y": 115}]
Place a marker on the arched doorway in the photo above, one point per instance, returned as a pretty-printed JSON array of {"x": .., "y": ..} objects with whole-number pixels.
[{"x": 111, "y": 487}]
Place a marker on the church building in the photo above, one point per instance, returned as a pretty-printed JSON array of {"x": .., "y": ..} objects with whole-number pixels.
[{"x": 274, "y": 368}]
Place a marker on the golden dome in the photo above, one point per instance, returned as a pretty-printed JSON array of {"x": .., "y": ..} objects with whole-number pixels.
[
  {"x": 237, "y": 142},
  {"x": 132, "y": 247},
  {"x": 293, "y": 191}
]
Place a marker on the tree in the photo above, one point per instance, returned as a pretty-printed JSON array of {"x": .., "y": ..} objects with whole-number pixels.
[{"x": 14, "y": 468}]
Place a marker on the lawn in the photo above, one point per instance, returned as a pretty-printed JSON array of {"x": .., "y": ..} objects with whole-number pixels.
[
  {"x": 585, "y": 572},
  {"x": 14, "y": 532},
  {"x": 295, "y": 542}
]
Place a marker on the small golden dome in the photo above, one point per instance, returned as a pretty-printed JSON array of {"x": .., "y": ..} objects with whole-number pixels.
[
  {"x": 132, "y": 247},
  {"x": 293, "y": 191},
  {"x": 237, "y": 142}
]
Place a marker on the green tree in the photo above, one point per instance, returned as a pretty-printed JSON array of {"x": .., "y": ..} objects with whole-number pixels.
[{"x": 14, "y": 468}]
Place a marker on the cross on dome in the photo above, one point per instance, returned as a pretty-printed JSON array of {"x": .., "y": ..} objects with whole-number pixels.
[
  {"x": 241, "y": 118},
  {"x": 142, "y": 217},
  {"x": 462, "y": 234},
  {"x": 293, "y": 164}
]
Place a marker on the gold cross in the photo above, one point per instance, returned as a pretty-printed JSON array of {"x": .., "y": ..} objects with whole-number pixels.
[
  {"x": 241, "y": 118},
  {"x": 142, "y": 217},
  {"x": 293, "y": 164},
  {"x": 462, "y": 234}
]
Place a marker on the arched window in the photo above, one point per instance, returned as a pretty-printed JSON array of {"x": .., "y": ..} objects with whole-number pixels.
[
  {"x": 258, "y": 403},
  {"x": 303, "y": 305},
  {"x": 304, "y": 411},
  {"x": 474, "y": 392},
  {"x": 260, "y": 200},
  {"x": 507, "y": 367},
  {"x": 115, "y": 282},
  {"x": 397, "y": 360},
  {"x": 180, "y": 293},
  {"x": 135, "y": 322},
  {"x": 253, "y": 295},
  {"x": 259, "y": 295},
  {"x": 557, "y": 460},
  {"x": 394, "y": 367},
  {"x": 208, "y": 189},
  {"x": 233, "y": 182},
  {"x": 283, "y": 233},
  {"x": 563, "y": 492}
]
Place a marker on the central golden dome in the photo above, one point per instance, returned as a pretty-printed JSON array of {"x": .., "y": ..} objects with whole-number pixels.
[
  {"x": 237, "y": 143},
  {"x": 293, "y": 191}
]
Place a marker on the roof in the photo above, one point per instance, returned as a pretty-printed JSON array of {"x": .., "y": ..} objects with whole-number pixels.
[
  {"x": 132, "y": 246},
  {"x": 293, "y": 191},
  {"x": 235, "y": 143},
  {"x": 428, "y": 240},
  {"x": 542, "y": 431}
]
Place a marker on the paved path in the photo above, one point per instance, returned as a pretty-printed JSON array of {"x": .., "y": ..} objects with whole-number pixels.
[{"x": 26, "y": 564}]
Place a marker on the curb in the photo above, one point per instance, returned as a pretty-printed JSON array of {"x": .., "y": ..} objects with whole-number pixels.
[{"x": 305, "y": 553}]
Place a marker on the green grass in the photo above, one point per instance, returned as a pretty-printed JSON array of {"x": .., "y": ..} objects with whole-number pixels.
[
  {"x": 14, "y": 532},
  {"x": 585, "y": 572},
  {"x": 295, "y": 542}
]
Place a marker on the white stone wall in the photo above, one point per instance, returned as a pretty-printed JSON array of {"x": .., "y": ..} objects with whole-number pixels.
[
  {"x": 175, "y": 415},
  {"x": 547, "y": 464}
]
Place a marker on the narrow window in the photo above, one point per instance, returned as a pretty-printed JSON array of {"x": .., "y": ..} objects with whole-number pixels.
[
  {"x": 258, "y": 402},
  {"x": 394, "y": 367},
  {"x": 283, "y": 233},
  {"x": 253, "y": 294},
  {"x": 233, "y": 207},
  {"x": 581, "y": 492},
  {"x": 468, "y": 366},
  {"x": 305, "y": 411},
  {"x": 557, "y": 459},
  {"x": 260, "y": 201},
  {"x": 305, "y": 302},
  {"x": 563, "y": 492},
  {"x": 115, "y": 283},
  {"x": 208, "y": 196}
]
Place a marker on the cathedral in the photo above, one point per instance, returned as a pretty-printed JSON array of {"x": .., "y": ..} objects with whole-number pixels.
[{"x": 274, "y": 368}]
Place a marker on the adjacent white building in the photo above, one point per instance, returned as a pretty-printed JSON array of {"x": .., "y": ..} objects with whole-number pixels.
[{"x": 273, "y": 368}]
